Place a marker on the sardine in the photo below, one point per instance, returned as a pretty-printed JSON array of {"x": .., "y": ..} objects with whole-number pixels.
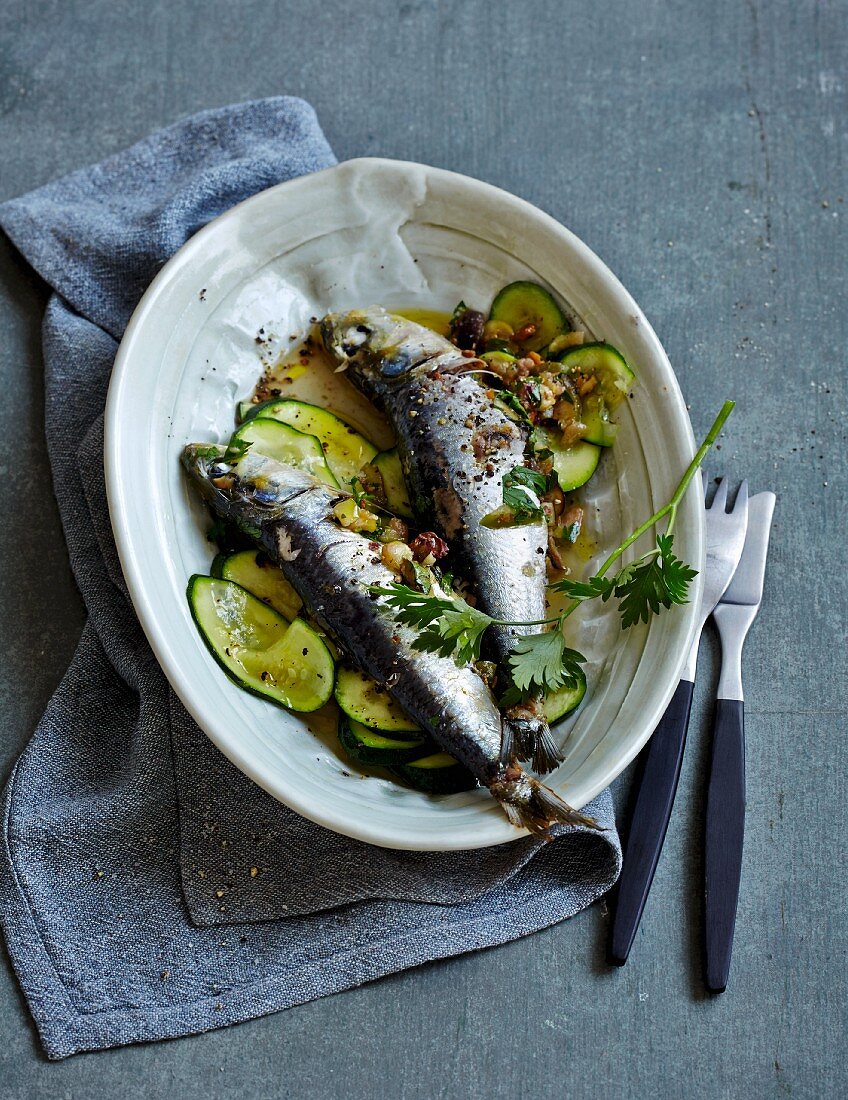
[
  {"x": 456, "y": 446},
  {"x": 290, "y": 515}
]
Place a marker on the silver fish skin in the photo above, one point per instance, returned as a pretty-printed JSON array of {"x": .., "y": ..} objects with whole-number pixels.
[
  {"x": 455, "y": 446},
  {"x": 289, "y": 514}
]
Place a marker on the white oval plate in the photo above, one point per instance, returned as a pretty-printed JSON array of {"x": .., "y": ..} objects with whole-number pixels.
[{"x": 376, "y": 231}]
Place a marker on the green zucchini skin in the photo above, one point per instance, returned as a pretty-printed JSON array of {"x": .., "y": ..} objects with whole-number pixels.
[
  {"x": 345, "y": 450},
  {"x": 227, "y": 615},
  {"x": 253, "y": 570},
  {"x": 394, "y": 483},
  {"x": 283, "y": 443},
  {"x": 362, "y": 700},
  {"x": 561, "y": 703},
  {"x": 573, "y": 465},
  {"x": 522, "y": 303},
  {"x": 615, "y": 380},
  {"x": 437, "y": 773},
  {"x": 376, "y": 748}
]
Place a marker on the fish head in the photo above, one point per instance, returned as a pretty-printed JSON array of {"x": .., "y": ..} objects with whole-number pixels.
[
  {"x": 248, "y": 489},
  {"x": 377, "y": 348}
]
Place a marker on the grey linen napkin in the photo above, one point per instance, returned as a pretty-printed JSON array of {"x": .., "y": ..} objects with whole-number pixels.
[{"x": 148, "y": 888}]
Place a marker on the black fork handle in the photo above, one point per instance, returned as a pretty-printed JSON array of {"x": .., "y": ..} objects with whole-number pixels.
[
  {"x": 724, "y": 838},
  {"x": 662, "y": 759}
]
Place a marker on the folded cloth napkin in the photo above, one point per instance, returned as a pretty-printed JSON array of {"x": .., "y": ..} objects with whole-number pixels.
[{"x": 149, "y": 889}]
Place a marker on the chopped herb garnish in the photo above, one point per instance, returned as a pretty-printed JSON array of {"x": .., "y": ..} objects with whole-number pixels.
[
  {"x": 522, "y": 499},
  {"x": 236, "y": 449}
]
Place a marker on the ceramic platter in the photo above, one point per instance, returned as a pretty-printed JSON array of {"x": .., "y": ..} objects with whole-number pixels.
[{"x": 404, "y": 236}]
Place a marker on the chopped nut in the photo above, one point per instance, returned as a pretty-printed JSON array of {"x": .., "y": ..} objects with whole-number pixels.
[
  {"x": 394, "y": 554},
  {"x": 428, "y": 544},
  {"x": 587, "y": 386},
  {"x": 526, "y": 332}
]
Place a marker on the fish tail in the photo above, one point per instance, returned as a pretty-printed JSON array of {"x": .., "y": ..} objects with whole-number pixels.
[
  {"x": 534, "y": 742},
  {"x": 531, "y": 805},
  {"x": 508, "y": 742}
]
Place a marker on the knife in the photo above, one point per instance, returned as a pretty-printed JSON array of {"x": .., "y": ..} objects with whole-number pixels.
[{"x": 725, "y": 823}]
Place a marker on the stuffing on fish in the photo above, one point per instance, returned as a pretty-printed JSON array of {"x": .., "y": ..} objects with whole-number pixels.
[
  {"x": 456, "y": 446},
  {"x": 290, "y": 514}
]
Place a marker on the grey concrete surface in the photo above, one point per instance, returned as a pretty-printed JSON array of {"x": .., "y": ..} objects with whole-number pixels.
[{"x": 700, "y": 149}]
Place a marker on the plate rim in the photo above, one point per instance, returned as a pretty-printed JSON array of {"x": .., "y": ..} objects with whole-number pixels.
[{"x": 156, "y": 636}]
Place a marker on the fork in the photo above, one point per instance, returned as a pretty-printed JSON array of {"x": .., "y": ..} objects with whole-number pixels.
[
  {"x": 662, "y": 758},
  {"x": 725, "y": 815}
]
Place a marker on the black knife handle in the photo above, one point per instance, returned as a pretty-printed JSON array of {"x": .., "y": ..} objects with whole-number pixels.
[
  {"x": 724, "y": 838},
  {"x": 662, "y": 758}
]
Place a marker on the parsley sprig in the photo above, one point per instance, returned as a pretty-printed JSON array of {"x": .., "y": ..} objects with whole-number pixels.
[
  {"x": 543, "y": 663},
  {"x": 447, "y": 625}
]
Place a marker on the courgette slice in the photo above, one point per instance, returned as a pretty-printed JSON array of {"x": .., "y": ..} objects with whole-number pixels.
[
  {"x": 498, "y": 359},
  {"x": 287, "y": 664},
  {"x": 438, "y": 773},
  {"x": 285, "y": 444},
  {"x": 245, "y": 409},
  {"x": 614, "y": 380},
  {"x": 367, "y": 746},
  {"x": 261, "y": 577},
  {"x": 394, "y": 483},
  {"x": 562, "y": 702},
  {"x": 599, "y": 429},
  {"x": 345, "y": 450},
  {"x": 364, "y": 701},
  {"x": 524, "y": 303},
  {"x": 573, "y": 465}
]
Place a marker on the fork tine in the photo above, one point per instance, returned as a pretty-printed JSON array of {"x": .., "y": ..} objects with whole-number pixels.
[
  {"x": 741, "y": 497},
  {"x": 706, "y": 485},
  {"x": 720, "y": 498}
]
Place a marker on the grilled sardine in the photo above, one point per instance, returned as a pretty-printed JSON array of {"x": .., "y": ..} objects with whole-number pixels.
[
  {"x": 456, "y": 446},
  {"x": 290, "y": 515}
]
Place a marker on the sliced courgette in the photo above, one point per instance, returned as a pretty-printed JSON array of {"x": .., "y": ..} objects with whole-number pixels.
[
  {"x": 614, "y": 380},
  {"x": 363, "y": 700},
  {"x": 562, "y": 702},
  {"x": 285, "y": 444},
  {"x": 498, "y": 360},
  {"x": 438, "y": 773},
  {"x": 524, "y": 303},
  {"x": 258, "y": 649},
  {"x": 261, "y": 577},
  {"x": 345, "y": 450},
  {"x": 573, "y": 465},
  {"x": 394, "y": 484},
  {"x": 367, "y": 746},
  {"x": 245, "y": 409}
]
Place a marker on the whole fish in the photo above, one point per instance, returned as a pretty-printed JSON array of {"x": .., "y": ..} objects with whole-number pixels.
[
  {"x": 290, "y": 514},
  {"x": 456, "y": 445}
]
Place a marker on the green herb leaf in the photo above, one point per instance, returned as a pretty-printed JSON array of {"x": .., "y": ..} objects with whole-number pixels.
[
  {"x": 236, "y": 449},
  {"x": 543, "y": 662},
  {"x": 510, "y": 400},
  {"x": 655, "y": 581},
  {"x": 459, "y": 309},
  {"x": 447, "y": 625},
  {"x": 361, "y": 495},
  {"x": 532, "y": 391},
  {"x": 522, "y": 491},
  {"x": 586, "y": 590}
]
